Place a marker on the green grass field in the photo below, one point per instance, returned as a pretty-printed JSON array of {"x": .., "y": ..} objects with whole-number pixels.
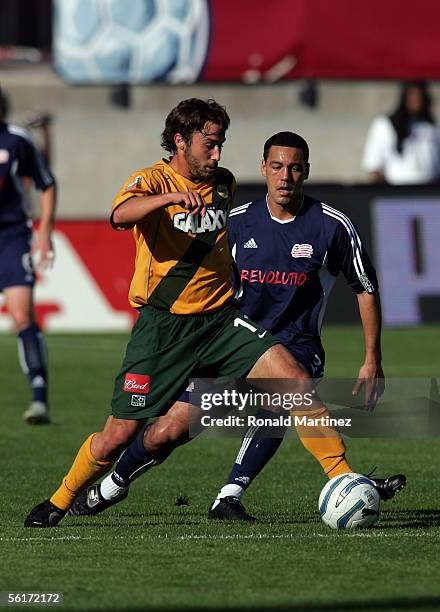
[{"x": 148, "y": 553}]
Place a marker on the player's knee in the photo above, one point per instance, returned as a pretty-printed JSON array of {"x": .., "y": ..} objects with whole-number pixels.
[
  {"x": 166, "y": 432},
  {"x": 113, "y": 440},
  {"x": 112, "y": 446},
  {"x": 295, "y": 376},
  {"x": 177, "y": 433},
  {"x": 22, "y": 320}
]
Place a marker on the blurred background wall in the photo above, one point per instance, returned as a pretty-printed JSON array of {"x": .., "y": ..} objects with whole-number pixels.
[
  {"x": 96, "y": 144},
  {"x": 108, "y": 72}
]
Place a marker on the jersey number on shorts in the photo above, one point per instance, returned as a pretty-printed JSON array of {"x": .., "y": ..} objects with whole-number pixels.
[{"x": 249, "y": 326}]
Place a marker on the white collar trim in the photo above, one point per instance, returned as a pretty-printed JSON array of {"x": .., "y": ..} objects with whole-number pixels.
[{"x": 282, "y": 221}]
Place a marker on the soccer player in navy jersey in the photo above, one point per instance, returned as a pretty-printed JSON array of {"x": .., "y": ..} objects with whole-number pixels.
[
  {"x": 288, "y": 249},
  {"x": 20, "y": 158}
]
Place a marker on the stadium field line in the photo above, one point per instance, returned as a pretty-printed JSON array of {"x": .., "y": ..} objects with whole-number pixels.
[{"x": 236, "y": 536}]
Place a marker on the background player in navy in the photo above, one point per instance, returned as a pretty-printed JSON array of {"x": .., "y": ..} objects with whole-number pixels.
[
  {"x": 288, "y": 249},
  {"x": 20, "y": 158}
]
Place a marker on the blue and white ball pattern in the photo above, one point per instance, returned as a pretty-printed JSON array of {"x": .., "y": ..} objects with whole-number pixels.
[
  {"x": 349, "y": 501},
  {"x": 110, "y": 41}
]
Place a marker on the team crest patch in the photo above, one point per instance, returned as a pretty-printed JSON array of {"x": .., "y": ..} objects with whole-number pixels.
[
  {"x": 135, "y": 183},
  {"x": 302, "y": 250},
  {"x": 222, "y": 191},
  {"x": 137, "y": 383}
]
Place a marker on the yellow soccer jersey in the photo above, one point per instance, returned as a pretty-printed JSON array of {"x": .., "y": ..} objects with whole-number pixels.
[{"x": 183, "y": 263}]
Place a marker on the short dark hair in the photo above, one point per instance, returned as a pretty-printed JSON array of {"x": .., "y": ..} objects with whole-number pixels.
[
  {"x": 191, "y": 116},
  {"x": 286, "y": 139},
  {"x": 4, "y": 105}
]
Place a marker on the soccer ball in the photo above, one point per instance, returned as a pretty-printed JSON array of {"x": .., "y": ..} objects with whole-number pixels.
[
  {"x": 111, "y": 41},
  {"x": 349, "y": 501}
]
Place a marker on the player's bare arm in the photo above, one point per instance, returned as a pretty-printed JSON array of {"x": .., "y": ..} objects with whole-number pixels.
[
  {"x": 135, "y": 209},
  {"x": 370, "y": 374},
  {"x": 42, "y": 246}
]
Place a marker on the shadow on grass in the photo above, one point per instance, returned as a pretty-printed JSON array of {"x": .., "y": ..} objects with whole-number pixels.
[
  {"x": 410, "y": 519},
  {"x": 391, "y": 519},
  {"x": 423, "y": 603},
  {"x": 133, "y": 521},
  {"x": 155, "y": 519}
]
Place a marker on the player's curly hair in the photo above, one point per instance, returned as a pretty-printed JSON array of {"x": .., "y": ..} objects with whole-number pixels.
[{"x": 191, "y": 116}]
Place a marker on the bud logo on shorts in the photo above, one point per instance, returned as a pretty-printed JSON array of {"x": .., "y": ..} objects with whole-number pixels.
[{"x": 137, "y": 383}]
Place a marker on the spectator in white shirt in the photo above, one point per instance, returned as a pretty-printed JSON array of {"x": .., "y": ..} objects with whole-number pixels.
[{"x": 404, "y": 147}]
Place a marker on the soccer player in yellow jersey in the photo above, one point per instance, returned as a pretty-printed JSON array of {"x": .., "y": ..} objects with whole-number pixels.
[
  {"x": 261, "y": 235},
  {"x": 187, "y": 325}
]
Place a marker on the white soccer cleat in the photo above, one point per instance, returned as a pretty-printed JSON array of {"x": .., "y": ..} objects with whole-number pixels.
[{"x": 36, "y": 414}]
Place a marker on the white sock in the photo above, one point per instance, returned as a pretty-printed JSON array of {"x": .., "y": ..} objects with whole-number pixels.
[
  {"x": 110, "y": 490},
  {"x": 229, "y": 490}
]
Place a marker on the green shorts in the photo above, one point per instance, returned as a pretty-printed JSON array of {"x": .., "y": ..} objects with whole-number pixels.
[{"x": 165, "y": 350}]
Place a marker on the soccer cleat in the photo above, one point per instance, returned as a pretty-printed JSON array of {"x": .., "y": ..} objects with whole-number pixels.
[
  {"x": 44, "y": 515},
  {"x": 388, "y": 487},
  {"x": 37, "y": 414},
  {"x": 229, "y": 509},
  {"x": 90, "y": 502}
]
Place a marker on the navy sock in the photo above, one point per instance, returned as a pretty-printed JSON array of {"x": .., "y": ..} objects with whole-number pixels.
[
  {"x": 255, "y": 452},
  {"x": 133, "y": 462},
  {"x": 33, "y": 360}
]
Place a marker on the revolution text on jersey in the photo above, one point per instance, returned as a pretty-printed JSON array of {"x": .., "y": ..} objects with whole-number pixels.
[{"x": 286, "y": 269}]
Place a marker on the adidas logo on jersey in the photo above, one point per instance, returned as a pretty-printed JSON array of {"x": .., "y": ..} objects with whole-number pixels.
[{"x": 250, "y": 244}]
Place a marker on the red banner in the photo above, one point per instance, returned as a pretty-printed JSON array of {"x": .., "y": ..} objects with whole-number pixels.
[
  {"x": 285, "y": 39},
  {"x": 247, "y": 41}
]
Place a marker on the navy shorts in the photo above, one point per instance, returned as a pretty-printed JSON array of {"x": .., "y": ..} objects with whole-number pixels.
[
  {"x": 311, "y": 356},
  {"x": 16, "y": 267}
]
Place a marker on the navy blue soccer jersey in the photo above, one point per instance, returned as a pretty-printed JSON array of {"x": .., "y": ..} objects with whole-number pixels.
[
  {"x": 19, "y": 157},
  {"x": 286, "y": 269}
]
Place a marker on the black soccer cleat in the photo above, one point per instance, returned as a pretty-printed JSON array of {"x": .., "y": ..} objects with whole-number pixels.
[
  {"x": 90, "y": 502},
  {"x": 388, "y": 487},
  {"x": 229, "y": 509},
  {"x": 44, "y": 515}
]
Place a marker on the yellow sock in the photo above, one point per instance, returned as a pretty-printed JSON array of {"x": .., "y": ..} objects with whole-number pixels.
[
  {"x": 324, "y": 443},
  {"x": 84, "y": 471}
]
